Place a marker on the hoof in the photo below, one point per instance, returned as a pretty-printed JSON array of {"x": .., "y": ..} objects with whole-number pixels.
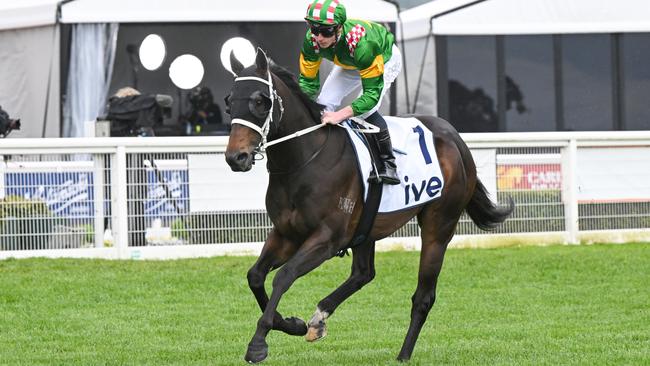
[
  {"x": 294, "y": 326},
  {"x": 257, "y": 352},
  {"x": 316, "y": 332}
]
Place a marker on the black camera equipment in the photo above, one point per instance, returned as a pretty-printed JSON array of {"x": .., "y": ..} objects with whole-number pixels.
[
  {"x": 7, "y": 124},
  {"x": 138, "y": 115},
  {"x": 204, "y": 116}
]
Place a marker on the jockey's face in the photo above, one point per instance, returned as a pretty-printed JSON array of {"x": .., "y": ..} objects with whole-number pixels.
[{"x": 325, "y": 36}]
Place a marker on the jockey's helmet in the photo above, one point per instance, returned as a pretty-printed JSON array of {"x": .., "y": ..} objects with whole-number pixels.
[{"x": 326, "y": 12}]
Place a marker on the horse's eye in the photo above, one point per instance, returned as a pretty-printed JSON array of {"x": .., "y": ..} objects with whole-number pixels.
[
  {"x": 258, "y": 102},
  {"x": 226, "y": 101}
]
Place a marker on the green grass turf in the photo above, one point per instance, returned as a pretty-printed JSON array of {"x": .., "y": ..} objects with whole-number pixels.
[{"x": 560, "y": 305}]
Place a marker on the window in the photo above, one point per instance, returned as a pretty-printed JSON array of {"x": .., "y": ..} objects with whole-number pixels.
[
  {"x": 636, "y": 81},
  {"x": 529, "y": 84},
  {"x": 472, "y": 83},
  {"x": 567, "y": 82},
  {"x": 587, "y": 82}
]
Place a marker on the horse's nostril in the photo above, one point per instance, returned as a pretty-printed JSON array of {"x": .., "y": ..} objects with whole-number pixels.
[
  {"x": 242, "y": 157},
  {"x": 239, "y": 162}
]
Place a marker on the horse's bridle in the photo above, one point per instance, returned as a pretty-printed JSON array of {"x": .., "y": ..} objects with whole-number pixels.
[
  {"x": 264, "y": 130},
  {"x": 273, "y": 96}
]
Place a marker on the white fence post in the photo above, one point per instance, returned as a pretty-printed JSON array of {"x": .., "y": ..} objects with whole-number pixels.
[
  {"x": 570, "y": 189},
  {"x": 120, "y": 205},
  {"x": 98, "y": 199}
]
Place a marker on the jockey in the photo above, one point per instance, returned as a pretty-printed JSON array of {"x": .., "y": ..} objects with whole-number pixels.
[{"x": 365, "y": 57}]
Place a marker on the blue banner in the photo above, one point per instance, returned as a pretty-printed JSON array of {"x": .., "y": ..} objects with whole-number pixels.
[
  {"x": 169, "y": 197},
  {"x": 65, "y": 193},
  {"x": 71, "y": 194}
]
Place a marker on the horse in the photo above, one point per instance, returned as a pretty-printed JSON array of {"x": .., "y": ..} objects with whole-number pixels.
[{"x": 312, "y": 170}]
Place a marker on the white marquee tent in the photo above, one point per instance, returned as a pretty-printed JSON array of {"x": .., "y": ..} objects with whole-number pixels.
[
  {"x": 27, "y": 13},
  {"x": 28, "y": 39},
  {"x": 32, "y": 64},
  {"x": 501, "y": 17}
]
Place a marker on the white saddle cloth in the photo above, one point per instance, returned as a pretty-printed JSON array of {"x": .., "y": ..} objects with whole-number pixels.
[{"x": 417, "y": 164}]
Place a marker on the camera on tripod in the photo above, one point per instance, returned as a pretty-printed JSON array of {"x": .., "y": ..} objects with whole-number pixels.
[
  {"x": 7, "y": 124},
  {"x": 133, "y": 114},
  {"x": 204, "y": 116}
]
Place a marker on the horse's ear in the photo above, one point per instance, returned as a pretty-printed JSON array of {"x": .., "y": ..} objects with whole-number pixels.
[
  {"x": 261, "y": 61},
  {"x": 235, "y": 65}
]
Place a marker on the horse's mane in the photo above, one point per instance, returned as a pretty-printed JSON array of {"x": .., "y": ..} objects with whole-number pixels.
[{"x": 291, "y": 81}]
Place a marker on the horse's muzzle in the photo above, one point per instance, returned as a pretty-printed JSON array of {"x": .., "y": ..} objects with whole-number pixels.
[{"x": 239, "y": 161}]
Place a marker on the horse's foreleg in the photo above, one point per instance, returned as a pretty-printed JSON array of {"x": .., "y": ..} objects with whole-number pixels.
[
  {"x": 275, "y": 253},
  {"x": 434, "y": 245},
  {"x": 310, "y": 255},
  {"x": 363, "y": 271}
]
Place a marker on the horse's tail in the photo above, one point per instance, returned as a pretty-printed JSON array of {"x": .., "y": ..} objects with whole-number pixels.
[{"x": 485, "y": 214}]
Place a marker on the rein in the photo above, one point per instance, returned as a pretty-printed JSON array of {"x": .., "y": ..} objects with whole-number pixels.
[
  {"x": 264, "y": 130},
  {"x": 311, "y": 158}
]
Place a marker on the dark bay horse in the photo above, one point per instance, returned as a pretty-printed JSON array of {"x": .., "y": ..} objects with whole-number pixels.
[{"x": 315, "y": 198}]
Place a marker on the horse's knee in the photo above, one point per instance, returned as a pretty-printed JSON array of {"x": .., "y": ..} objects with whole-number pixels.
[
  {"x": 422, "y": 303},
  {"x": 255, "y": 278}
]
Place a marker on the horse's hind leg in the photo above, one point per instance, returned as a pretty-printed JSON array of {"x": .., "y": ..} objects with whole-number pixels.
[
  {"x": 275, "y": 253},
  {"x": 435, "y": 236},
  {"x": 363, "y": 271}
]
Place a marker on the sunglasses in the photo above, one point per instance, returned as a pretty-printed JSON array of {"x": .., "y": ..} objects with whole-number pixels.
[{"x": 324, "y": 31}]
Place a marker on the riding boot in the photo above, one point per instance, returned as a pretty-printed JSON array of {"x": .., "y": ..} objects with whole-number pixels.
[{"x": 387, "y": 173}]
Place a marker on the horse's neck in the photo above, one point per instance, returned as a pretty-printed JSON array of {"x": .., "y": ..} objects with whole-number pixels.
[
  {"x": 296, "y": 118},
  {"x": 297, "y": 154}
]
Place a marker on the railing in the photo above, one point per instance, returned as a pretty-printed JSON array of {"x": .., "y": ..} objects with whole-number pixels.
[{"x": 175, "y": 197}]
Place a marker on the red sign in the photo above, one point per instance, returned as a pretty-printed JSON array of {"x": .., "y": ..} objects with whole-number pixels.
[{"x": 529, "y": 176}]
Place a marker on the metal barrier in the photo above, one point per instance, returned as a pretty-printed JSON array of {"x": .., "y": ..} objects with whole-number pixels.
[{"x": 171, "y": 197}]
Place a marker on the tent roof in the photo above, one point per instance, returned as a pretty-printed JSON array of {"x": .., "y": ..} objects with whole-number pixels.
[
  {"x": 415, "y": 21},
  {"x": 531, "y": 17},
  {"x": 33, "y": 13},
  {"x": 147, "y": 11},
  {"x": 27, "y": 13}
]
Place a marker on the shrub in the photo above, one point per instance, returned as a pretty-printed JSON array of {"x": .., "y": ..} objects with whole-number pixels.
[
  {"x": 179, "y": 230},
  {"x": 24, "y": 224}
]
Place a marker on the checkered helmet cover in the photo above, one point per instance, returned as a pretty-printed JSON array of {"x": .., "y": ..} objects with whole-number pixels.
[{"x": 326, "y": 12}]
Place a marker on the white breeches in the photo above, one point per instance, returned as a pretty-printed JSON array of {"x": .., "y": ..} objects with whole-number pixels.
[{"x": 341, "y": 82}]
